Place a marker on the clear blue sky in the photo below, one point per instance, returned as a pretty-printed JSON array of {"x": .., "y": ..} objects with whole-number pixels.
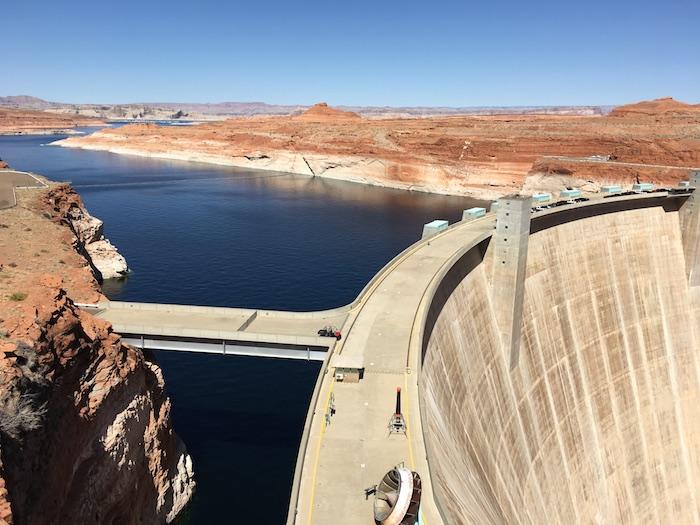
[{"x": 381, "y": 52}]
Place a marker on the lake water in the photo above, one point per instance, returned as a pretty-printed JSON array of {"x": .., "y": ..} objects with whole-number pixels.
[{"x": 209, "y": 235}]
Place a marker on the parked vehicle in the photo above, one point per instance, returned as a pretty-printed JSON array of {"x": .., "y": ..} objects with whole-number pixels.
[{"x": 330, "y": 331}]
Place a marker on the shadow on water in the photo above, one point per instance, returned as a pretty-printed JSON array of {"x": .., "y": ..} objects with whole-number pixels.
[{"x": 201, "y": 234}]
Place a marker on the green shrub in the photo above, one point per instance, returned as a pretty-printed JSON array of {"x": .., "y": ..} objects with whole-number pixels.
[{"x": 18, "y": 296}]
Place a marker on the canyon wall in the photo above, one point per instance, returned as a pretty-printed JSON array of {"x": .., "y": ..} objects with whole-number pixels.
[
  {"x": 84, "y": 421},
  {"x": 599, "y": 419},
  {"x": 85, "y": 428}
]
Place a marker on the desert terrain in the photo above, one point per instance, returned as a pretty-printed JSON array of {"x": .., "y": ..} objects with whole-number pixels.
[
  {"x": 485, "y": 156},
  {"x": 16, "y": 121},
  {"x": 33, "y": 241}
]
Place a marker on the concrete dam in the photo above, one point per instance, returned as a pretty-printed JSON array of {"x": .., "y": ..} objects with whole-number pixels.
[
  {"x": 549, "y": 364},
  {"x": 547, "y": 360},
  {"x": 597, "y": 419}
]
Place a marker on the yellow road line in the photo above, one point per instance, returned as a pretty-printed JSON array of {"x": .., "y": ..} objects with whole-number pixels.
[
  {"x": 408, "y": 426},
  {"x": 318, "y": 454}
]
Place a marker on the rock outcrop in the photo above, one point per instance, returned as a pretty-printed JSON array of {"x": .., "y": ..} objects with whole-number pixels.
[
  {"x": 322, "y": 112},
  {"x": 84, "y": 420},
  {"x": 659, "y": 107},
  {"x": 63, "y": 203}
]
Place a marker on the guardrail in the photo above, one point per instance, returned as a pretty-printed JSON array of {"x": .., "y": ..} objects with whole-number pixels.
[
  {"x": 307, "y": 352},
  {"x": 221, "y": 310},
  {"x": 91, "y": 306}
]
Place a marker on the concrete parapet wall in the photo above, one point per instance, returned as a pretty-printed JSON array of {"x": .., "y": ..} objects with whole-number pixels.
[{"x": 599, "y": 421}]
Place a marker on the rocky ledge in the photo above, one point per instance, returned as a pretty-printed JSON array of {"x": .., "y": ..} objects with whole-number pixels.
[{"x": 66, "y": 206}]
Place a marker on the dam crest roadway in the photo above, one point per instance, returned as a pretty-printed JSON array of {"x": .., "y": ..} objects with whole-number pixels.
[{"x": 506, "y": 334}]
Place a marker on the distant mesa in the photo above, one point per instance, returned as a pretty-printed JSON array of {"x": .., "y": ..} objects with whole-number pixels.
[
  {"x": 322, "y": 112},
  {"x": 660, "y": 106},
  {"x": 25, "y": 101}
]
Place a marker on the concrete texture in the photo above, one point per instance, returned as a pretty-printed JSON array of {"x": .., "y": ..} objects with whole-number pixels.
[
  {"x": 599, "y": 422},
  {"x": 596, "y": 422},
  {"x": 510, "y": 243},
  {"x": 434, "y": 227},
  {"x": 690, "y": 228}
]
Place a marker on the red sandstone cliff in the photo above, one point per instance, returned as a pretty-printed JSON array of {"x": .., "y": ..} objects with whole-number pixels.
[
  {"x": 66, "y": 207},
  {"x": 484, "y": 156},
  {"x": 85, "y": 429},
  {"x": 85, "y": 422}
]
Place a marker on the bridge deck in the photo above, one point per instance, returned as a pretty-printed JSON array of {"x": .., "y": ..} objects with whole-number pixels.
[
  {"x": 127, "y": 320},
  {"x": 233, "y": 331}
]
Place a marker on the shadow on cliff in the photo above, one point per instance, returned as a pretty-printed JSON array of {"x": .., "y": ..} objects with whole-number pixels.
[{"x": 94, "y": 460}]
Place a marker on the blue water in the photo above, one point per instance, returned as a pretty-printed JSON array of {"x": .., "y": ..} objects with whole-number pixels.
[{"x": 200, "y": 234}]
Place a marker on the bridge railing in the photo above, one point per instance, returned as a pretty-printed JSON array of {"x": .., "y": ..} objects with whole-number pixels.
[{"x": 221, "y": 310}]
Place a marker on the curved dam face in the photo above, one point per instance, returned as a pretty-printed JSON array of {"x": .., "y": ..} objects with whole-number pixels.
[{"x": 597, "y": 418}]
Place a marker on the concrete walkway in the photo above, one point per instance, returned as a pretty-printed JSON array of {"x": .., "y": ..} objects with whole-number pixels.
[
  {"x": 262, "y": 326},
  {"x": 355, "y": 450},
  {"x": 11, "y": 179}
]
